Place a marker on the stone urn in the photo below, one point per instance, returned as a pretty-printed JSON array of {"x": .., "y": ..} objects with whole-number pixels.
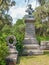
[{"x": 11, "y": 59}]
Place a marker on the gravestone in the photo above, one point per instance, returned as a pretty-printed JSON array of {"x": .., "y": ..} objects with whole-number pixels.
[
  {"x": 31, "y": 45},
  {"x": 11, "y": 59},
  {"x": 45, "y": 45}
]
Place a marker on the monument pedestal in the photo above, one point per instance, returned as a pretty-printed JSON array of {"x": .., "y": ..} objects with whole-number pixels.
[
  {"x": 31, "y": 45},
  {"x": 12, "y": 58}
]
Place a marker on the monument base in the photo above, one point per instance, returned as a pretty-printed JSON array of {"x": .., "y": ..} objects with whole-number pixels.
[
  {"x": 31, "y": 45},
  {"x": 12, "y": 58},
  {"x": 32, "y": 49}
]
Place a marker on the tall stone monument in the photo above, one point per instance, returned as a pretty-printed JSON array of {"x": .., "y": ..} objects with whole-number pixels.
[{"x": 31, "y": 45}]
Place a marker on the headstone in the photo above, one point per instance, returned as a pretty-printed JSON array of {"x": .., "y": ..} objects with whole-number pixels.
[
  {"x": 11, "y": 59},
  {"x": 31, "y": 45},
  {"x": 45, "y": 45}
]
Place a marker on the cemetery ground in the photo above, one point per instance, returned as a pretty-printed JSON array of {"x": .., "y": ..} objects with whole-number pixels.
[{"x": 35, "y": 59}]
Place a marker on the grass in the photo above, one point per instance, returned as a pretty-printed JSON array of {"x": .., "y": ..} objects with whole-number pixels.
[{"x": 35, "y": 60}]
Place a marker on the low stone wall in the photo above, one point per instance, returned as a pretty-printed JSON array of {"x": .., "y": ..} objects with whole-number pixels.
[{"x": 45, "y": 45}]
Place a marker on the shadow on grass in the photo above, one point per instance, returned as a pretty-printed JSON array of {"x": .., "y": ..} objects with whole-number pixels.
[
  {"x": 29, "y": 57},
  {"x": 23, "y": 57},
  {"x": 18, "y": 61}
]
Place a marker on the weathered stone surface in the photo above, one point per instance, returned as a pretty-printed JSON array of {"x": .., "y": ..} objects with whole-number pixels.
[
  {"x": 31, "y": 46},
  {"x": 30, "y": 43},
  {"x": 29, "y": 30},
  {"x": 13, "y": 38},
  {"x": 11, "y": 59},
  {"x": 32, "y": 52},
  {"x": 30, "y": 40},
  {"x": 45, "y": 45}
]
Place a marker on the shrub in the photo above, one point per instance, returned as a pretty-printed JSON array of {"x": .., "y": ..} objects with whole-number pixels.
[
  {"x": 42, "y": 38},
  {"x": 3, "y": 49},
  {"x": 3, "y": 52},
  {"x": 2, "y": 62},
  {"x": 18, "y": 31}
]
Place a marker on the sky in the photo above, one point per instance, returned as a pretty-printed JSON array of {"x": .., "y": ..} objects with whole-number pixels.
[{"x": 18, "y": 11}]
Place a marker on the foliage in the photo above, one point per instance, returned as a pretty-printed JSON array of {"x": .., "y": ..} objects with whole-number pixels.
[
  {"x": 5, "y": 18},
  {"x": 3, "y": 49},
  {"x": 42, "y": 20},
  {"x": 6, "y": 30},
  {"x": 42, "y": 2},
  {"x": 2, "y": 62},
  {"x": 42, "y": 28},
  {"x": 3, "y": 46},
  {"x": 18, "y": 31},
  {"x": 41, "y": 38}
]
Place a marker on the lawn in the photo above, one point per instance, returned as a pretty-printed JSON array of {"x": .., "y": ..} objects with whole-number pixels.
[{"x": 35, "y": 60}]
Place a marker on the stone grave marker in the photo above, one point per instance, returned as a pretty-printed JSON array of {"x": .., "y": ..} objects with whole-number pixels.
[{"x": 11, "y": 59}]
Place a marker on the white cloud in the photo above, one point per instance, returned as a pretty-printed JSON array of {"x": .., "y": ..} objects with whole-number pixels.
[{"x": 19, "y": 11}]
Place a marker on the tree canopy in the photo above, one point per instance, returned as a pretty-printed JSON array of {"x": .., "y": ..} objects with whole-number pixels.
[
  {"x": 42, "y": 20},
  {"x": 5, "y": 18}
]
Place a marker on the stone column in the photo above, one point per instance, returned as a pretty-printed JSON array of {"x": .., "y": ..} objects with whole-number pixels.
[{"x": 30, "y": 31}]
